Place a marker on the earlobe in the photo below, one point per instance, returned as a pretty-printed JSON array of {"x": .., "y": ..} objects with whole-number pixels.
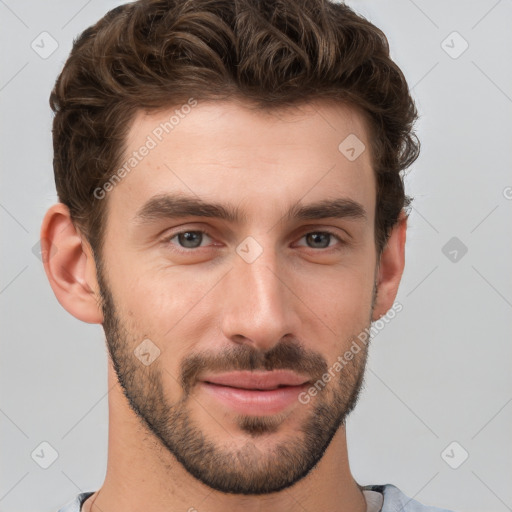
[
  {"x": 391, "y": 267},
  {"x": 69, "y": 265}
]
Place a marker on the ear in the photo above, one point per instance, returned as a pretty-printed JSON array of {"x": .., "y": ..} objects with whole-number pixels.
[
  {"x": 69, "y": 265},
  {"x": 390, "y": 269}
]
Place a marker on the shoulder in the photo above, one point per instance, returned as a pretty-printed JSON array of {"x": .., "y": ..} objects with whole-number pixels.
[
  {"x": 395, "y": 499},
  {"x": 75, "y": 504}
]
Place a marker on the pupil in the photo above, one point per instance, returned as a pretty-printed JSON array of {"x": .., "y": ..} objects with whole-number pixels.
[
  {"x": 316, "y": 238},
  {"x": 189, "y": 239}
]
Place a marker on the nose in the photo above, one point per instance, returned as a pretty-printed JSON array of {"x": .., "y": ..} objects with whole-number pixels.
[{"x": 260, "y": 307}]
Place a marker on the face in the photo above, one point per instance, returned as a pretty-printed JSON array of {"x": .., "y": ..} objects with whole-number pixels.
[{"x": 277, "y": 276}]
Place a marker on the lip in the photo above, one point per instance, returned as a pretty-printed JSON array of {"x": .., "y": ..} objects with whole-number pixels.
[
  {"x": 255, "y": 393},
  {"x": 257, "y": 380}
]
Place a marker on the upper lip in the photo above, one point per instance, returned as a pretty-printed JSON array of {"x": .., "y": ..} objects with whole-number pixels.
[{"x": 257, "y": 380}]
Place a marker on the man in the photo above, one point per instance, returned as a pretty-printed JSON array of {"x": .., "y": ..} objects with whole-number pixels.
[{"x": 232, "y": 212}]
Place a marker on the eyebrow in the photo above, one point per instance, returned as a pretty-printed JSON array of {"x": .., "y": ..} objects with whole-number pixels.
[{"x": 173, "y": 206}]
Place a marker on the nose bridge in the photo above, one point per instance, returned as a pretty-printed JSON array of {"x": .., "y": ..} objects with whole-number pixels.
[{"x": 258, "y": 303}]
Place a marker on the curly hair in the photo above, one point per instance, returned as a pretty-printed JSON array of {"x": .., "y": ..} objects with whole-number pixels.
[{"x": 155, "y": 54}]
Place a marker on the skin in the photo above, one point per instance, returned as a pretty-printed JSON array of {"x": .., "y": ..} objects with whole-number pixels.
[{"x": 209, "y": 306}]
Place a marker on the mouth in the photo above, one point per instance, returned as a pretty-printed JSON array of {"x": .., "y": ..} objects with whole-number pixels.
[
  {"x": 248, "y": 388},
  {"x": 255, "y": 393},
  {"x": 258, "y": 381}
]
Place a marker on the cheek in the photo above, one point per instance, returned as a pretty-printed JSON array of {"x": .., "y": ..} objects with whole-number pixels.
[
  {"x": 341, "y": 305},
  {"x": 163, "y": 302}
]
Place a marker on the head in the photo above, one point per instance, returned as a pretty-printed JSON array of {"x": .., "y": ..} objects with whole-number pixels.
[{"x": 190, "y": 252}]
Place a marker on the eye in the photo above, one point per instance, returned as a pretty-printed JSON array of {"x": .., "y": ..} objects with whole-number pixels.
[
  {"x": 188, "y": 239},
  {"x": 321, "y": 239}
]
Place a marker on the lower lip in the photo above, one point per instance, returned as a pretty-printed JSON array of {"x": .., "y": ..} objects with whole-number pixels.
[{"x": 255, "y": 402}]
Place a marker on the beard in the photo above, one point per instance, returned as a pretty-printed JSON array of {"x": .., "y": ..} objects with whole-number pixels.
[{"x": 246, "y": 470}]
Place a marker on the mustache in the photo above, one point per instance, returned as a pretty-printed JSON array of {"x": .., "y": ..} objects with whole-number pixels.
[{"x": 286, "y": 355}]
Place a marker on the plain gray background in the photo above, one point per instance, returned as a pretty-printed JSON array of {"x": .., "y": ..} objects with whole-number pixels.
[{"x": 439, "y": 373}]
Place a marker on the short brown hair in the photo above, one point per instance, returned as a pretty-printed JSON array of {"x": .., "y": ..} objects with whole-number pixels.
[{"x": 155, "y": 54}]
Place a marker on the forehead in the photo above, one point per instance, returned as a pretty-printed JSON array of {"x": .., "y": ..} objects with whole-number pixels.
[{"x": 232, "y": 152}]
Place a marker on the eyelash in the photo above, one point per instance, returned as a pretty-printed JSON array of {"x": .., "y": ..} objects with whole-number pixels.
[{"x": 182, "y": 250}]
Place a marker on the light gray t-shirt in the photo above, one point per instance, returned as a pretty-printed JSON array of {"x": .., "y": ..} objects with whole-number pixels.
[{"x": 379, "y": 498}]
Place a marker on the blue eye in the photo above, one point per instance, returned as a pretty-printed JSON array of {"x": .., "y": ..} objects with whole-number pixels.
[
  {"x": 321, "y": 238},
  {"x": 189, "y": 239}
]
